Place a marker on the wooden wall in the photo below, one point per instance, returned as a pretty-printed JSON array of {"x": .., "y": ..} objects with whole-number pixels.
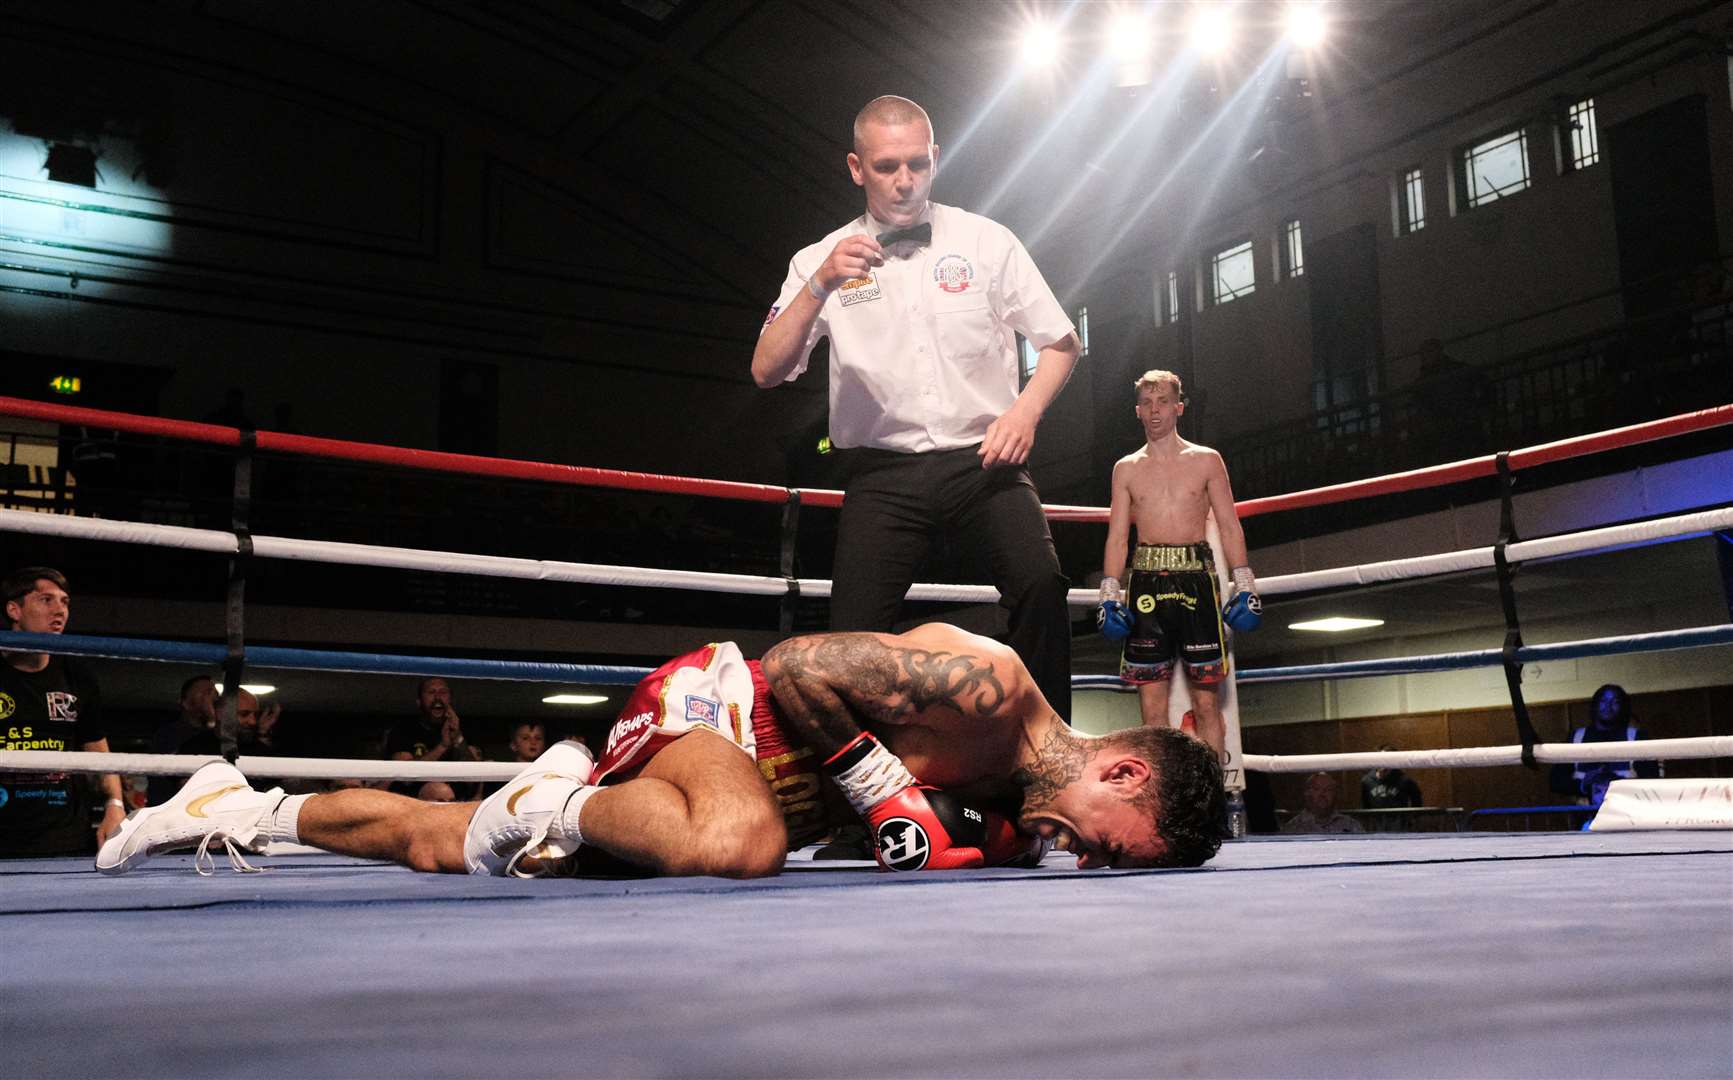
[{"x": 1666, "y": 715}]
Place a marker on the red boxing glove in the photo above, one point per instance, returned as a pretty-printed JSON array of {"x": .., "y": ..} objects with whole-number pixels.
[
  {"x": 923, "y": 828},
  {"x": 917, "y": 827}
]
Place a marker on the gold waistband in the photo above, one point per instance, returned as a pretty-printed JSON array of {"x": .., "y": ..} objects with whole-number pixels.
[{"x": 1173, "y": 557}]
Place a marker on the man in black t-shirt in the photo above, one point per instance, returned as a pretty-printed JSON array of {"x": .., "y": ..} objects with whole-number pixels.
[
  {"x": 1388, "y": 789},
  {"x": 49, "y": 703},
  {"x": 435, "y": 734}
]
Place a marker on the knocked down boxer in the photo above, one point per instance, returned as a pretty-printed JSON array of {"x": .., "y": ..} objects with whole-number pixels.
[{"x": 938, "y": 738}]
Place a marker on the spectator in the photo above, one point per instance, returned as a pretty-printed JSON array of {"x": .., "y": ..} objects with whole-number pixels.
[
  {"x": 1610, "y": 720},
  {"x": 437, "y": 791},
  {"x": 195, "y": 730},
  {"x": 528, "y": 740},
  {"x": 1388, "y": 789},
  {"x": 1320, "y": 814},
  {"x": 435, "y": 733},
  {"x": 922, "y": 304},
  {"x": 49, "y": 703}
]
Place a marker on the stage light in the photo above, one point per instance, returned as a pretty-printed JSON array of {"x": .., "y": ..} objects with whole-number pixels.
[
  {"x": 1040, "y": 45},
  {"x": 253, "y": 688},
  {"x": 1336, "y": 624},
  {"x": 574, "y": 699},
  {"x": 1212, "y": 28},
  {"x": 1306, "y": 23},
  {"x": 1129, "y": 35}
]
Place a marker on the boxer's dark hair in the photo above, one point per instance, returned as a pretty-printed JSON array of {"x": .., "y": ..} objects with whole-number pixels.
[{"x": 1188, "y": 801}]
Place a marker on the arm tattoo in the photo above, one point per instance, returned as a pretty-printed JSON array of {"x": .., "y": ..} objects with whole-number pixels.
[
  {"x": 1058, "y": 763},
  {"x": 829, "y": 684}
]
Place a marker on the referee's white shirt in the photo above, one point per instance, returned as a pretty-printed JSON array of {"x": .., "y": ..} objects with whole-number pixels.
[{"x": 923, "y": 354}]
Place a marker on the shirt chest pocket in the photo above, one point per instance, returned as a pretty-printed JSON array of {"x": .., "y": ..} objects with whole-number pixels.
[{"x": 964, "y": 325}]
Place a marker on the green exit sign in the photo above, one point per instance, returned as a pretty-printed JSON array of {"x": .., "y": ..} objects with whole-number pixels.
[{"x": 66, "y": 384}]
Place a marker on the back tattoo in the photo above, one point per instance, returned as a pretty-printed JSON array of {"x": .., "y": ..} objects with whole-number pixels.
[{"x": 848, "y": 676}]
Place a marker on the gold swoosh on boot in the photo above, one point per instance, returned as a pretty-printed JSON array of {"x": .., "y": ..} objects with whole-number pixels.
[{"x": 196, "y": 808}]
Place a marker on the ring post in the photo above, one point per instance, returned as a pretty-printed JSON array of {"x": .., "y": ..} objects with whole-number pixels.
[
  {"x": 1507, "y": 598},
  {"x": 235, "y": 602},
  {"x": 790, "y": 530}
]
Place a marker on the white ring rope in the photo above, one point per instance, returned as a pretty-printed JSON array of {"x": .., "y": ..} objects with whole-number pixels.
[
  {"x": 1709, "y": 746},
  {"x": 327, "y": 551},
  {"x": 287, "y": 768},
  {"x": 300, "y": 768}
]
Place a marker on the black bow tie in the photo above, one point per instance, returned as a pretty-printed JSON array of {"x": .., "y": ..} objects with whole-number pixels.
[{"x": 920, "y": 234}]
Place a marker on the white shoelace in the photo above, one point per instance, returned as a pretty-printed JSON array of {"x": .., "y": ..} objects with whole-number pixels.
[{"x": 206, "y": 863}]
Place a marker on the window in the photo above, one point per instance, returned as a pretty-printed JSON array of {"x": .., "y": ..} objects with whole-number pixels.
[
  {"x": 1083, "y": 330},
  {"x": 1585, "y": 141},
  {"x": 1493, "y": 169},
  {"x": 1411, "y": 201},
  {"x": 1173, "y": 295},
  {"x": 1292, "y": 252},
  {"x": 1232, "y": 273}
]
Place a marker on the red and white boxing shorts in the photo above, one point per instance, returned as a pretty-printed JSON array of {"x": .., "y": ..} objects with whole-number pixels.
[{"x": 716, "y": 690}]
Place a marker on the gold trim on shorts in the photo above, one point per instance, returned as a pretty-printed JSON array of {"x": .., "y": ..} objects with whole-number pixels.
[{"x": 1172, "y": 557}]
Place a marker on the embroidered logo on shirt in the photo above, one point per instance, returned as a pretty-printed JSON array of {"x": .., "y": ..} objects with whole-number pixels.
[
  {"x": 61, "y": 705},
  {"x": 7, "y": 705},
  {"x": 703, "y": 710},
  {"x": 953, "y": 274},
  {"x": 859, "y": 290}
]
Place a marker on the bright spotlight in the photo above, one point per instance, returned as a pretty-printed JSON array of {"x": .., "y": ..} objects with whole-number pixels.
[
  {"x": 1040, "y": 45},
  {"x": 1306, "y": 23},
  {"x": 1129, "y": 36},
  {"x": 1212, "y": 28}
]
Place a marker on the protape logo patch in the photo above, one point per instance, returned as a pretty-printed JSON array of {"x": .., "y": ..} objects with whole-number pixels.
[
  {"x": 859, "y": 290},
  {"x": 903, "y": 844}
]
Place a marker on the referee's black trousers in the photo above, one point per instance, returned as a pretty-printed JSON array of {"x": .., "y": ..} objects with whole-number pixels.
[{"x": 898, "y": 503}]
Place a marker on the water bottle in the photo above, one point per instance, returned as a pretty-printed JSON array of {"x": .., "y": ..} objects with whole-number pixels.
[{"x": 1237, "y": 814}]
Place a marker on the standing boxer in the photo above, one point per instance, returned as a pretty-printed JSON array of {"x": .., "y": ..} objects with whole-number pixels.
[
  {"x": 1168, "y": 488},
  {"x": 939, "y": 738},
  {"x": 922, "y": 304}
]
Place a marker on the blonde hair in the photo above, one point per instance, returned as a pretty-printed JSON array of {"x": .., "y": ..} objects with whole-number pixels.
[
  {"x": 889, "y": 109},
  {"x": 1153, "y": 378}
]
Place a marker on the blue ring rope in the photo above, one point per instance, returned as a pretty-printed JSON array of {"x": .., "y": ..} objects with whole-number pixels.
[{"x": 265, "y": 656}]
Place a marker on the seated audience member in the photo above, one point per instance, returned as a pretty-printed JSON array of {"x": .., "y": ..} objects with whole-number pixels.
[
  {"x": 194, "y": 729},
  {"x": 1320, "y": 814},
  {"x": 528, "y": 739},
  {"x": 435, "y": 733},
  {"x": 50, "y": 703},
  {"x": 437, "y": 791},
  {"x": 1609, "y": 721},
  {"x": 1388, "y": 789}
]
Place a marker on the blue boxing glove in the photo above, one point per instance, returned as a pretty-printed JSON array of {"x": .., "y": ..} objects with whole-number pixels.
[
  {"x": 1111, "y": 617},
  {"x": 1244, "y": 611}
]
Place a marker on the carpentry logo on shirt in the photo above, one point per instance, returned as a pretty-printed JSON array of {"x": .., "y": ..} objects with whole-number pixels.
[{"x": 859, "y": 290}]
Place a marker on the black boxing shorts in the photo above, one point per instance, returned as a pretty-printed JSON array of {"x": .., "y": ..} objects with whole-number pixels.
[{"x": 1170, "y": 590}]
